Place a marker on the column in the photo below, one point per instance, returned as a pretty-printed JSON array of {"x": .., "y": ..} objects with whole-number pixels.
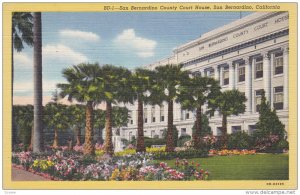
[
  {"x": 217, "y": 73},
  {"x": 271, "y": 80},
  {"x": 252, "y": 65},
  {"x": 231, "y": 76},
  {"x": 221, "y": 75},
  {"x": 248, "y": 85},
  {"x": 236, "y": 76},
  {"x": 285, "y": 78},
  {"x": 267, "y": 76}
]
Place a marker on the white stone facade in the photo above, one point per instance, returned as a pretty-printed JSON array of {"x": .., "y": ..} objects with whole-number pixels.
[{"x": 249, "y": 54}]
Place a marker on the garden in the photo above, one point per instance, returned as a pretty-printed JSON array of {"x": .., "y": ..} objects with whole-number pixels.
[{"x": 66, "y": 143}]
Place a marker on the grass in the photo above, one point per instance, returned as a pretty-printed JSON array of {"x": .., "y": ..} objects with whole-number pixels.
[{"x": 244, "y": 167}]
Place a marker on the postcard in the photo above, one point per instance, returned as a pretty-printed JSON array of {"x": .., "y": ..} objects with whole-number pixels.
[{"x": 150, "y": 96}]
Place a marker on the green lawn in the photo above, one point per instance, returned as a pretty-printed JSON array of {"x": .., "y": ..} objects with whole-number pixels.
[{"x": 248, "y": 167}]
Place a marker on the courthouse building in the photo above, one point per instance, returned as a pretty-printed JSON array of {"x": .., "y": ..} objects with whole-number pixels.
[{"x": 249, "y": 54}]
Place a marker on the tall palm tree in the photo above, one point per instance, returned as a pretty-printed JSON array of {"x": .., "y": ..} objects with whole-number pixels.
[
  {"x": 140, "y": 84},
  {"x": 82, "y": 86},
  {"x": 230, "y": 102},
  {"x": 76, "y": 119},
  {"x": 168, "y": 78},
  {"x": 194, "y": 93},
  {"x": 38, "y": 145},
  {"x": 21, "y": 33},
  {"x": 113, "y": 88}
]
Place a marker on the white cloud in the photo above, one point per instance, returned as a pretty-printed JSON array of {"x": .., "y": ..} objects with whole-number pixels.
[
  {"x": 49, "y": 86},
  {"x": 22, "y": 60},
  {"x": 62, "y": 53},
  {"x": 142, "y": 46},
  {"x": 81, "y": 35}
]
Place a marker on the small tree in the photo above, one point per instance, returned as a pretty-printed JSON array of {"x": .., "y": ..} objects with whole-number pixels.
[
  {"x": 270, "y": 131},
  {"x": 205, "y": 128},
  {"x": 231, "y": 102}
]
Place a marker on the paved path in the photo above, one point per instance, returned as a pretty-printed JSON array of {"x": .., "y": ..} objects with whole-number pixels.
[{"x": 21, "y": 175}]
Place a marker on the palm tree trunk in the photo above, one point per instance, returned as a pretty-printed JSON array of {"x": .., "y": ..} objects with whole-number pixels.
[
  {"x": 197, "y": 131},
  {"x": 170, "y": 142},
  {"x": 108, "y": 130},
  {"x": 224, "y": 130},
  {"x": 14, "y": 129},
  {"x": 140, "y": 139},
  {"x": 38, "y": 90},
  {"x": 55, "y": 142},
  {"x": 88, "y": 141},
  {"x": 78, "y": 135}
]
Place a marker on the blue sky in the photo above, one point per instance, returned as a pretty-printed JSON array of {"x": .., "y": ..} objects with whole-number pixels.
[{"x": 125, "y": 39}]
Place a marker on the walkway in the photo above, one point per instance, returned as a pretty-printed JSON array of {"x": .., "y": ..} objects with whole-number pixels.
[{"x": 21, "y": 175}]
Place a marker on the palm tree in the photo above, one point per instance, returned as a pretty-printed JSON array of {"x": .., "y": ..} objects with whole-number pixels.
[
  {"x": 194, "y": 93},
  {"x": 82, "y": 86},
  {"x": 168, "y": 78},
  {"x": 119, "y": 116},
  {"x": 21, "y": 33},
  {"x": 76, "y": 119},
  {"x": 56, "y": 118},
  {"x": 38, "y": 145},
  {"x": 113, "y": 88},
  {"x": 230, "y": 102},
  {"x": 140, "y": 84}
]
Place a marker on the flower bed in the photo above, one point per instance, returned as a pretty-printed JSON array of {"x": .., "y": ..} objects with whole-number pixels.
[
  {"x": 231, "y": 152},
  {"x": 63, "y": 165}
]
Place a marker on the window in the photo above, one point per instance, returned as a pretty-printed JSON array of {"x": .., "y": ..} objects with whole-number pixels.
[
  {"x": 212, "y": 73},
  {"x": 252, "y": 129},
  {"x": 236, "y": 129},
  {"x": 162, "y": 113},
  {"x": 225, "y": 76},
  {"x": 187, "y": 115},
  {"x": 130, "y": 117},
  {"x": 196, "y": 73},
  {"x": 145, "y": 115},
  {"x": 153, "y": 114},
  {"x": 258, "y": 94},
  {"x": 278, "y": 63},
  {"x": 278, "y": 98},
  {"x": 241, "y": 73},
  {"x": 259, "y": 67}
]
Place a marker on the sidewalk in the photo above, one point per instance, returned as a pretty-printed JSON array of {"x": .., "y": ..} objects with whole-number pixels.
[{"x": 21, "y": 175}]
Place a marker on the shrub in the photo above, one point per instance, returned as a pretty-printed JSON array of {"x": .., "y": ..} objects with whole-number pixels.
[
  {"x": 239, "y": 140},
  {"x": 153, "y": 141},
  {"x": 182, "y": 139},
  {"x": 191, "y": 153},
  {"x": 283, "y": 145},
  {"x": 175, "y": 135}
]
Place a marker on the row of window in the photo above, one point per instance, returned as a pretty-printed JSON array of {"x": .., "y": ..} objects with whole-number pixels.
[
  {"x": 277, "y": 104},
  {"x": 183, "y": 131},
  {"x": 277, "y": 98},
  {"x": 153, "y": 119},
  {"x": 258, "y": 69}
]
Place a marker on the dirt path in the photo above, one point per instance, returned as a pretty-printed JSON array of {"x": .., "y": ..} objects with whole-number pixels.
[{"x": 21, "y": 175}]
